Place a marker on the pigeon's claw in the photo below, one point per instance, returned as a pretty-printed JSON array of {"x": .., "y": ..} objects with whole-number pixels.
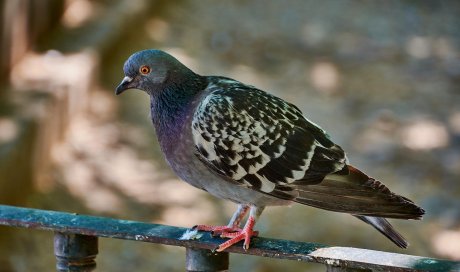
[
  {"x": 233, "y": 234},
  {"x": 226, "y": 231},
  {"x": 246, "y": 233},
  {"x": 218, "y": 230}
]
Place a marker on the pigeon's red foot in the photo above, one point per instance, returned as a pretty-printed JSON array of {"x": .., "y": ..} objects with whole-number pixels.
[
  {"x": 218, "y": 230},
  {"x": 246, "y": 233}
]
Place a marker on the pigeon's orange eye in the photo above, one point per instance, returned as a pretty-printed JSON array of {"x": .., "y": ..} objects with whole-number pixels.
[{"x": 144, "y": 69}]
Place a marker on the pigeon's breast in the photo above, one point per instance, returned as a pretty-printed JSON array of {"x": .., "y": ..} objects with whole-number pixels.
[{"x": 179, "y": 150}]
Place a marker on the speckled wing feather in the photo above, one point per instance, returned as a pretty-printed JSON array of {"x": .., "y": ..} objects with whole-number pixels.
[
  {"x": 260, "y": 141},
  {"x": 257, "y": 140}
]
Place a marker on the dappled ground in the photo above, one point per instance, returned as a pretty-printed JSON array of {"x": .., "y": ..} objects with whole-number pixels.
[{"x": 381, "y": 78}]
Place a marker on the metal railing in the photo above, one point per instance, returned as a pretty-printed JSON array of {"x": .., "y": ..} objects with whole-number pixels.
[{"x": 76, "y": 245}]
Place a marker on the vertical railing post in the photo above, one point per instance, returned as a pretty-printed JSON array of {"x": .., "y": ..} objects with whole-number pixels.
[
  {"x": 75, "y": 252},
  {"x": 205, "y": 260}
]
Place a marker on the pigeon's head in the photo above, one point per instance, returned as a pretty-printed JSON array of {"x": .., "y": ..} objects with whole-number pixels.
[{"x": 152, "y": 71}]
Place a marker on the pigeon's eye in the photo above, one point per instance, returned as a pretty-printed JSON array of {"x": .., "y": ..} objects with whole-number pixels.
[{"x": 144, "y": 69}]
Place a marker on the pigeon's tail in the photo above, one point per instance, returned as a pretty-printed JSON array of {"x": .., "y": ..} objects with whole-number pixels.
[
  {"x": 352, "y": 191},
  {"x": 385, "y": 228}
]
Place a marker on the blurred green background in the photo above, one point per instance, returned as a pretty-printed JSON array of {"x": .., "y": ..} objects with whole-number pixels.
[{"x": 382, "y": 77}]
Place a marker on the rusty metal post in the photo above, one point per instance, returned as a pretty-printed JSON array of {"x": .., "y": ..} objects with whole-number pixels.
[
  {"x": 75, "y": 252},
  {"x": 204, "y": 260}
]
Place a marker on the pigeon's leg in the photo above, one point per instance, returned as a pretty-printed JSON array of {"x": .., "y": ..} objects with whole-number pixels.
[
  {"x": 233, "y": 225},
  {"x": 246, "y": 233},
  {"x": 239, "y": 214}
]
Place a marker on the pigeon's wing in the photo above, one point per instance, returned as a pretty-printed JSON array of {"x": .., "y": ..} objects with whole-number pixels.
[
  {"x": 354, "y": 192},
  {"x": 257, "y": 140},
  {"x": 260, "y": 141}
]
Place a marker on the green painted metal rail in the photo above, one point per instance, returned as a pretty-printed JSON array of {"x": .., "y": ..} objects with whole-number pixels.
[{"x": 75, "y": 244}]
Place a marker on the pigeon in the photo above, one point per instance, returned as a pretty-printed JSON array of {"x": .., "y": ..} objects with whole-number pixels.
[{"x": 244, "y": 145}]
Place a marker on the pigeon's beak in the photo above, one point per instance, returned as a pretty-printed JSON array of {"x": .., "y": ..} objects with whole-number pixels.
[{"x": 124, "y": 85}]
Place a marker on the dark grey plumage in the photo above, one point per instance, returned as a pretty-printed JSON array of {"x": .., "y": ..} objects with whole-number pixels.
[{"x": 245, "y": 145}]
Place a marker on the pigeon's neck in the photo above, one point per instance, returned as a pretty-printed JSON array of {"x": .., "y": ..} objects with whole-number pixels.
[{"x": 171, "y": 106}]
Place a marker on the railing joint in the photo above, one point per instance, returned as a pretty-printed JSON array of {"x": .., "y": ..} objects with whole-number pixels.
[
  {"x": 75, "y": 252},
  {"x": 198, "y": 260}
]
